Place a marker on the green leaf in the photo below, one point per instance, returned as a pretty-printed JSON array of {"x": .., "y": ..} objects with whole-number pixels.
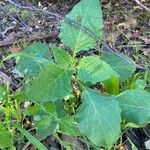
[
  {"x": 33, "y": 59},
  {"x": 132, "y": 125},
  {"x": 45, "y": 126},
  {"x": 6, "y": 138},
  {"x": 139, "y": 84},
  {"x": 67, "y": 125},
  {"x": 135, "y": 105},
  {"x": 3, "y": 93},
  {"x": 93, "y": 69},
  {"x": 99, "y": 118},
  {"x": 120, "y": 63},
  {"x": 61, "y": 112},
  {"x": 50, "y": 108},
  {"x": 44, "y": 117},
  {"x": 51, "y": 84},
  {"x": 62, "y": 57},
  {"x": 112, "y": 85},
  {"x": 31, "y": 138},
  {"x": 87, "y": 14},
  {"x": 32, "y": 110}
]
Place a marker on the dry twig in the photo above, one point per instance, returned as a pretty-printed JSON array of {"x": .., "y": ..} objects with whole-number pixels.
[
  {"x": 26, "y": 146},
  {"x": 143, "y": 6},
  {"x": 75, "y": 24},
  {"x": 53, "y": 15},
  {"x": 33, "y": 38}
]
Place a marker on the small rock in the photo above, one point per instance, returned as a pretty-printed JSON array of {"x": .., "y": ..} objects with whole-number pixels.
[{"x": 147, "y": 144}]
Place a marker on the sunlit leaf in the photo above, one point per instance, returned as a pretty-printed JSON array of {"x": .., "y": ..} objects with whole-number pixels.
[
  {"x": 33, "y": 59},
  {"x": 86, "y": 13},
  {"x": 62, "y": 57},
  {"x": 68, "y": 126},
  {"x": 51, "y": 84},
  {"x": 93, "y": 69},
  {"x": 135, "y": 105},
  {"x": 122, "y": 64},
  {"x": 99, "y": 118}
]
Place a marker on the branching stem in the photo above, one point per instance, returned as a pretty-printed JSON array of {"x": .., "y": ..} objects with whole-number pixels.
[
  {"x": 53, "y": 15},
  {"x": 143, "y": 6}
]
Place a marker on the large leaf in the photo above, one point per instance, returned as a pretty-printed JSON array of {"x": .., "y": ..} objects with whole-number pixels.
[
  {"x": 135, "y": 105},
  {"x": 99, "y": 118},
  {"x": 6, "y": 138},
  {"x": 33, "y": 59},
  {"x": 52, "y": 83},
  {"x": 87, "y": 14},
  {"x": 62, "y": 57},
  {"x": 122, "y": 64},
  {"x": 93, "y": 69}
]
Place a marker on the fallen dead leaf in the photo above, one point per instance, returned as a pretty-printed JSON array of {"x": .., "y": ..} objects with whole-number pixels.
[
  {"x": 146, "y": 52},
  {"x": 10, "y": 38},
  {"x": 6, "y": 30},
  {"x": 136, "y": 35},
  {"x": 4, "y": 79},
  {"x": 107, "y": 26},
  {"x": 131, "y": 22},
  {"x": 146, "y": 39},
  {"x": 14, "y": 49},
  {"x": 105, "y": 2}
]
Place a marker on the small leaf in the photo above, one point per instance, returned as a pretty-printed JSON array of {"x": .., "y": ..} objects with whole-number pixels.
[
  {"x": 60, "y": 108},
  {"x": 112, "y": 85},
  {"x": 45, "y": 126},
  {"x": 3, "y": 93},
  {"x": 44, "y": 117},
  {"x": 51, "y": 84},
  {"x": 120, "y": 63},
  {"x": 33, "y": 59},
  {"x": 68, "y": 126},
  {"x": 139, "y": 84},
  {"x": 6, "y": 138},
  {"x": 135, "y": 105},
  {"x": 86, "y": 13},
  {"x": 93, "y": 69},
  {"x": 50, "y": 108},
  {"x": 99, "y": 118},
  {"x": 32, "y": 110},
  {"x": 62, "y": 57}
]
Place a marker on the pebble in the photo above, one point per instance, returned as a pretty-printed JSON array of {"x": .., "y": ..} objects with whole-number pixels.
[{"x": 147, "y": 144}]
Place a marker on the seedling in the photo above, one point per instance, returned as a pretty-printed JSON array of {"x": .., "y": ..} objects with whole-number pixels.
[{"x": 88, "y": 88}]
